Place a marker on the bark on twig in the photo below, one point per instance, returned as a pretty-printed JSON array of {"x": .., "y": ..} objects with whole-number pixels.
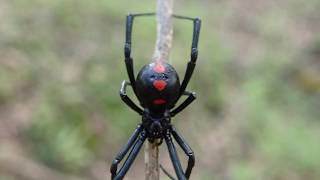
[
  {"x": 161, "y": 53},
  {"x": 164, "y": 25}
]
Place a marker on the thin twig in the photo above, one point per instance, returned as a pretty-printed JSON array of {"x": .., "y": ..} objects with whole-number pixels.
[
  {"x": 161, "y": 53},
  {"x": 165, "y": 30}
]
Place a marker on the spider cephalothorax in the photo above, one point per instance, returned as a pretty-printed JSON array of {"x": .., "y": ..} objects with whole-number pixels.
[
  {"x": 155, "y": 125},
  {"x": 158, "y": 89}
]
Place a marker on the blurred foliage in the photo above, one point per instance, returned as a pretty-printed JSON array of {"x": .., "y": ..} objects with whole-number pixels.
[{"x": 257, "y": 79}]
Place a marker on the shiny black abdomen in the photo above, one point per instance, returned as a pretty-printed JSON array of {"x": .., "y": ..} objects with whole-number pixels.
[{"x": 157, "y": 86}]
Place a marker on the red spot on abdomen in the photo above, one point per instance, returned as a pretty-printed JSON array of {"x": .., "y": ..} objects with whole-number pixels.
[
  {"x": 159, "y": 84},
  {"x": 159, "y": 68},
  {"x": 159, "y": 101}
]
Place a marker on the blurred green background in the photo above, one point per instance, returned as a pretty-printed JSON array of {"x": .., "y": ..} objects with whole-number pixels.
[{"x": 257, "y": 80}]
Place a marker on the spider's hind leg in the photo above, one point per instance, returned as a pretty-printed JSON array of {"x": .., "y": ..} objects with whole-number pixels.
[
  {"x": 127, "y": 46},
  {"x": 194, "y": 52},
  {"x": 127, "y": 50}
]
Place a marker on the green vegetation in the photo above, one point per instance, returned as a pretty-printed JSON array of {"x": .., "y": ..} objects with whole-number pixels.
[{"x": 257, "y": 80}]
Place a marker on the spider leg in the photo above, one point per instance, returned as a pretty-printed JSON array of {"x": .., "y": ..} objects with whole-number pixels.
[
  {"x": 131, "y": 157},
  {"x": 185, "y": 103},
  {"x": 127, "y": 50},
  {"x": 127, "y": 46},
  {"x": 194, "y": 48},
  {"x": 187, "y": 150},
  {"x": 194, "y": 53},
  {"x": 174, "y": 157},
  {"x": 127, "y": 100},
  {"x": 124, "y": 151}
]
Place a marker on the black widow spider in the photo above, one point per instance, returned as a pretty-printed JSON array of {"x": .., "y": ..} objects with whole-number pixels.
[{"x": 158, "y": 89}]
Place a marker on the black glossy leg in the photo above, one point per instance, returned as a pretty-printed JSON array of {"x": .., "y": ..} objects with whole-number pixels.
[
  {"x": 127, "y": 100},
  {"x": 124, "y": 151},
  {"x": 131, "y": 157},
  {"x": 194, "y": 55},
  {"x": 187, "y": 150},
  {"x": 174, "y": 157},
  {"x": 184, "y": 104},
  {"x": 194, "y": 48},
  {"x": 127, "y": 46},
  {"x": 127, "y": 50}
]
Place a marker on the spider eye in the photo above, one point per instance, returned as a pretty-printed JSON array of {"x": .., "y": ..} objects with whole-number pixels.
[{"x": 152, "y": 76}]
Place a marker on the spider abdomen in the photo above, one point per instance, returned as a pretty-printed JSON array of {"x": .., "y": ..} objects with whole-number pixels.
[{"x": 157, "y": 86}]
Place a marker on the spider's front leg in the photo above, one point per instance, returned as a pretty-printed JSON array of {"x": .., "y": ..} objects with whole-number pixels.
[
  {"x": 137, "y": 144},
  {"x": 124, "y": 150},
  {"x": 174, "y": 156},
  {"x": 127, "y": 100},
  {"x": 187, "y": 150},
  {"x": 194, "y": 55}
]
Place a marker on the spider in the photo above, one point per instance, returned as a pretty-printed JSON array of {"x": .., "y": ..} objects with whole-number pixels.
[{"x": 158, "y": 89}]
